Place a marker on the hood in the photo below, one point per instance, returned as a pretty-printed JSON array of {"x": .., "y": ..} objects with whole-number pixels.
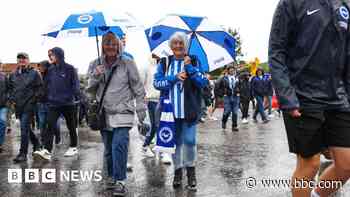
[
  {"x": 259, "y": 69},
  {"x": 59, "y": 53}
]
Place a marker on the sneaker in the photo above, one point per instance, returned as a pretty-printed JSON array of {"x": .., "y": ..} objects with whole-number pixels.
[
  {"x": 147, "y": 152},
  {"x": 191, "y": 179},
  {"x": 202, "y": 120},
  {"x": 266, "y": 121},
  {"x": 119, "y": 189},
  {"x": 235, "y": 129},
  {"x": 213, "y": 118},
  {"x": 129, "y": 167},
  {"x": 71, "y": 152},
  {"x": 42, "y": 154},
  {"x": 166, "y": 159},
  {"x": 109, "y": 183},
  {"x": 20, "y": 158},
  {"x": 244, "y": 121},
  {"x": 270, "y": 116}
]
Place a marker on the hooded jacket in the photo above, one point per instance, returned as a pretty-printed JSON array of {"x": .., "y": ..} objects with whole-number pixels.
[
  {"x": 259, "y": 85},
  {"x": 309, "y": 54},
  {"x": 62, "y": 82}
]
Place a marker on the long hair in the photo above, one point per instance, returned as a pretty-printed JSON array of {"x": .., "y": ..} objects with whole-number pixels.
[{"x": 111, "y": 36}]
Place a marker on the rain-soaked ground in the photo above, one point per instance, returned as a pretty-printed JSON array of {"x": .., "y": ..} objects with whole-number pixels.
[{"x": 229, "y": 164}]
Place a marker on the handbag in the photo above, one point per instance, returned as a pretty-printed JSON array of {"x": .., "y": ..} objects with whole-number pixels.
[{"x": 96, "y": 114}]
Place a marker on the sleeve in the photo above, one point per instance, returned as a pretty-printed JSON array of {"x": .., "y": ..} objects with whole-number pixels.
[
  {"x": 38, "y": 85},
  {"x": 76, "y": 84},
  {"x": 137, "y": 87},
  {"x": 162, "y": 82},
  {"x": 199, "y": 79},
  {"x": 93, "y": 81},
  {"x": 283, "y": 25},
  {"x": 11, "y": 88},
  {"x": 347, "y": 67}
]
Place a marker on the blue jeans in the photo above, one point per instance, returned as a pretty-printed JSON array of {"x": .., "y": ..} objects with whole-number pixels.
[
  {"x": 154, "y": 114},
  {"x": 116, "y": 152},
  {"x": 3, "y": 124},
  {"x": 43, "y": 111},
  {"x": 231, "y": 105},
  {"x": 260, "y": 108},
  {"x": 186, "y": 144},
  {"x": 27, "y": 133}
]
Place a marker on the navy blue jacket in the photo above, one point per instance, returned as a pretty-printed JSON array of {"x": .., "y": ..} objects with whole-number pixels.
[{"x": 62, "y": 82}]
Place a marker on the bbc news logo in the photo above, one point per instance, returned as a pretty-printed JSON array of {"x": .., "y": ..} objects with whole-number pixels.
[{"x": 52, "y": 176}]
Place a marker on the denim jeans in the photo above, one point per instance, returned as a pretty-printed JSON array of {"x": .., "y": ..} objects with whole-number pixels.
[
  {"x": 231, "y": 105},
  {"x": 116, "y": 152},
  {"x": 43, "y": 111},
  {"x": 3, "y": 124},
  {"x": 260, "y": 108},
  {"x": 154, "y": 115},
  {"x": 27, "y": 133},
  {"x": 186, "y": 144}
]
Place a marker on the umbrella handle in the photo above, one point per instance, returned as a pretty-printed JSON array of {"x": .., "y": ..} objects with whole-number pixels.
[{"x": 98, "y": 47}]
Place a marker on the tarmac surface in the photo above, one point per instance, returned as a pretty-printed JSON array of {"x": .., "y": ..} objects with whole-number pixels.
[{"x": 229, "y": 164}]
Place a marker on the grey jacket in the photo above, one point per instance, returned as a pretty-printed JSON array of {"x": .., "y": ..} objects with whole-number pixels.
[{"x": 125, "y": 87}]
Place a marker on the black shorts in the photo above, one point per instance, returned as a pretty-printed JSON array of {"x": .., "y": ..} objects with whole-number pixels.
[{"x": 314, "y": 131}]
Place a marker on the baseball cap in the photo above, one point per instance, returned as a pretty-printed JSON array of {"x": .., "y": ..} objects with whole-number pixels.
[{"x": 22, "y": 55}]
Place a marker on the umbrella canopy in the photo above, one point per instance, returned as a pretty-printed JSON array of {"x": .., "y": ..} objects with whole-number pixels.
[
  {"x": 92, "y": 24},
  {"x": 210, "y": 43}
]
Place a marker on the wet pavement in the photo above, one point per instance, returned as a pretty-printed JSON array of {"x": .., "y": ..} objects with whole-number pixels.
[{"x": 229, "y": 164}]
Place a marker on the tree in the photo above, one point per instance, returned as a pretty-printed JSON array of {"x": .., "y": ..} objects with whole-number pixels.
[{"x": 235, "y": 33}]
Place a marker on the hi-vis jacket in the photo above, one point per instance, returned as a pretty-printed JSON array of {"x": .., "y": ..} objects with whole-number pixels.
[{"x": 309, "y": 53}]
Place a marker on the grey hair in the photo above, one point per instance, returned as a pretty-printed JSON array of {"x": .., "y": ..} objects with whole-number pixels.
[{"x": 181, "y": 36}]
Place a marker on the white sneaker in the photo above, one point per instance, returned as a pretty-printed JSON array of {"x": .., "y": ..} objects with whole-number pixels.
[
  {"x": 147, "y": 152},
  {"x": 244, "y": 121},
  {"x": 129, "y": 167},
  {"x": 71, "y": 152},
  {"x": 166, "y": 159},
  {"x": 213, "y": 118},
  {"x": 271, "y": 116},
  {"x": 43, "y": 154}
]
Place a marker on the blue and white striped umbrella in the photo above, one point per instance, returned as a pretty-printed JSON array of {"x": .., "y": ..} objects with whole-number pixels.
[
  {"x": 92, "y": 24},
  {"x": 213, "y": 46}
]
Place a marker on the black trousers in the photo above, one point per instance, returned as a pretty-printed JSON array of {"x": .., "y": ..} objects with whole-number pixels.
[
  {"x": 69, "y": 114},
  {"x": 245, "y": 107}
]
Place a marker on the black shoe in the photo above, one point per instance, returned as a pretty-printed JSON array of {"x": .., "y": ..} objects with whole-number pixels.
[
  {"x": 177, "y": 182},
  {"x": 235, "y": 129},
  {"x": 191, "y": 178},
  {"x": 20, "y": 158},
  {"x": 223, "y": 125},
  {"x": 119, "y": 189}
]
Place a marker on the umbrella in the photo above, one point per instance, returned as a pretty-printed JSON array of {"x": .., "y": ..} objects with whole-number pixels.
[
  {"x": 93, "y": 24},
  {"x": 213, "y": 46}
]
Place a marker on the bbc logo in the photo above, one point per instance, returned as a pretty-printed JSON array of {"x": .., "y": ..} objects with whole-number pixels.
[{"x": 31, "y": 176}]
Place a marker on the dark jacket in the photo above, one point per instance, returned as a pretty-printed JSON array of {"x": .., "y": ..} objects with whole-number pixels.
[
  {"x": 24, "y": 86},
  {"x": 3, "y": 90},
  {"x": 228, "y": 89},
  {"x": 62, "y": 82},
  {"x": 309, "y": 54},
  {"x": 245, "y": 91},
  {"x": 269, "y": 86}
]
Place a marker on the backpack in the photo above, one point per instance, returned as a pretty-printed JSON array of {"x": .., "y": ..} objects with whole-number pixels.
[{"x": 219, "y": 90}]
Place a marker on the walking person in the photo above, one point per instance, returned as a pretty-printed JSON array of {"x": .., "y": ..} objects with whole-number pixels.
[
  {"x": 309, "y": 60},
  {"x": 180, "y": 80},
  {"x": 4, "y": 94},
  {"x": 118, "y": 105},
  {"x": 62, "y": 86},
  {"x": 24, "y": 89},
  {"x": 259, "y": 91},
  {"x": 245, "y": 95},
  {"x": 231, "y": 98}
]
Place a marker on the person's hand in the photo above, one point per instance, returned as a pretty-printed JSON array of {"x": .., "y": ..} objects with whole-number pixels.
[
  {"x": 141, "y": 115},
  {"x": 187, "y": 60},
  {"x": 182, "y": 76},
  {"x": 100, "y": 69},
  {"x": 295, "y": 113}
]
